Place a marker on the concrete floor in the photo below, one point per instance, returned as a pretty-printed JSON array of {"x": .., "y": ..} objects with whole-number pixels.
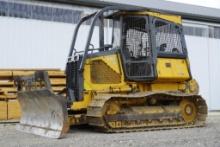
[{"x": 208, "y": 136}]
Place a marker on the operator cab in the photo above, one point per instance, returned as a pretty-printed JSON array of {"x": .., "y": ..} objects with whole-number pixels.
[
  {"x": 139, "y": 39},
  {"x": 144, "y": 38}
]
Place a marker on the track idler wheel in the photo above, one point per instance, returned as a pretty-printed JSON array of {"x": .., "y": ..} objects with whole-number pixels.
[{"x": 188, "y": 110}]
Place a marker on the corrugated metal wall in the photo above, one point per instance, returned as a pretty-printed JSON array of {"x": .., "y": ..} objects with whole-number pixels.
[
  {"x": 33, "y": 43},
  {"x": 203, "y": 42}
]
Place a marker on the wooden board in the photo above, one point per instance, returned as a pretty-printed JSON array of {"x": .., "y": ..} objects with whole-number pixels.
[
  {"x": 5, "y": 74},
  {"x": 58, "y": 81},
  {"x": 3, "y": 110},
  {"x": 6, "y": 83},
  {"x": 14, "y": 111},
  {"x": 57, "y": 89},
  {"x": 28, "y": 69},
  {"x": 53, "y": 74},
  {"x": 8, "y": 96},
  {"x": 8, "y": 90}
]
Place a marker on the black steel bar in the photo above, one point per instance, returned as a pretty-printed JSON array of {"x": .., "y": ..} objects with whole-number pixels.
[
  {"x": 76, "y": 32},
  {"x": 101, "y": 33}
]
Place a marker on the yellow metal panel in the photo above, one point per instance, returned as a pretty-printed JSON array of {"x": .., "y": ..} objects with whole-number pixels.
[
  {"x": 171, "y": 72},
  {"x": 167, "y": 86},
  {"x": 101, "y": 73},
  {"x": 173, "y": 18},
  {"x": 113, "y": 61},
  {"x": 13, "y": 109},
  {"x": 3, "y": 110},
  {"x": 82, "y": 104},
  {"x": 172, "y": 69}
]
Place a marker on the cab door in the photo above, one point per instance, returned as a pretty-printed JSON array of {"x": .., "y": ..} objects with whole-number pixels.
[{"x": 136, "y": 49}]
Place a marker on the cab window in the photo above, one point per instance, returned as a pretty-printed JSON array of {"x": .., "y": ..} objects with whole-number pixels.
[{"x": 168, "y": 39}]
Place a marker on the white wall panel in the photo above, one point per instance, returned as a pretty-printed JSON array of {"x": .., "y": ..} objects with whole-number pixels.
[
  {"x": 204, "y": 57},
  {"x": 33, "y": 43},
  {"x": 27, "y": 43},
  {"x": 214, "y": 62},
  {"x": 199, "y": 61}
]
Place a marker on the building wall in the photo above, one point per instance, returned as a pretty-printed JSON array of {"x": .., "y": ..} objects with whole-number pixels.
[
  {"x": 203, "y": 42},
  {"x": 33, "y": 43},
  {"x": 44, "y": 43},
  {"x": 38, "y": 35}
]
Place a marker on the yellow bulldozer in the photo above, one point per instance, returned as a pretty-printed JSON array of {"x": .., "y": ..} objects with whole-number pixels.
[{"x": 140, "y": 81}]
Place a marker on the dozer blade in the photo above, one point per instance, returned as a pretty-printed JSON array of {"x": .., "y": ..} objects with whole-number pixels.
[{"x": 43, "y": 113}]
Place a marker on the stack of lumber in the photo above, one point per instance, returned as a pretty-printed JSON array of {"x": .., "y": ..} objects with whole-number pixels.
[{"x": 9, "y": 106}]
